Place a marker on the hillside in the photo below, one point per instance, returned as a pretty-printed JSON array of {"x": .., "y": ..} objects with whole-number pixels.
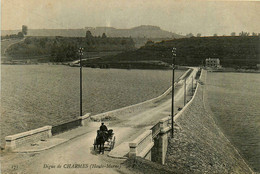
[
  {"x": 237, "y": 52},
  {"x": 60, "y": 49},
  {"x": 142, "y": 31}
]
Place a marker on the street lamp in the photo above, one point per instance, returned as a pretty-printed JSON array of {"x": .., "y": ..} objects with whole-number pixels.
[
  {"x": 80, "y": 55},
  {"x": 173, "y": 62}
]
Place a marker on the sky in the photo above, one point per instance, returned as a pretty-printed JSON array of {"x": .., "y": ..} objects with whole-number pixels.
[{"x": 179, "y": 16}]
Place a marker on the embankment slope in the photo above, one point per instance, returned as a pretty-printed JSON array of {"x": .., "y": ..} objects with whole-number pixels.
[{"x": 199, "y": 146}]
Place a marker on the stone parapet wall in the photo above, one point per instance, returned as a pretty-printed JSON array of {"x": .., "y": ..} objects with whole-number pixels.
[
  {"x": 14, "y": 141},
  {"x": 156, "y": 129},
  {"x": 65, "y": 126},
  {"x": 85, "y": 119},
  {"x": 142, "y": 145},
  {"x": 131, "y": 108},
  {"x": 18, "y": 140},
  {"x": 160, "y": 138}
]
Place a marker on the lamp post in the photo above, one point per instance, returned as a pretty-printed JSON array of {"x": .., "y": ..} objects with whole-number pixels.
[
  {"x": 173, "y": 62},
  {"x": 80, "y": 55}
]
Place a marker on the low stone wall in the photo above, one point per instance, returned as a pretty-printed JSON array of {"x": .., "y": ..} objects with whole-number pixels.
[
  {"x": 85, "y": 119},
  {"x": 131, "y": 108},
  {"x": 14, "y": 141},
  {"x": 156, "y": 129},
  {"x": 65, "y": 126},
  {"x": 186, "y": 74},
  {"x": 161, "y": 131},
  {"x": 17, "y": 140},
  {"x": 199, "y": 146},
  {"x": 80, "y": 121},
  {"x": 142, "y": 145}
]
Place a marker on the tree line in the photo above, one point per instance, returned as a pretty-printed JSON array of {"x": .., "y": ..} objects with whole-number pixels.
[
  {"x": 242, "y": 33},
  {"x": 19, "y": 35},
  {"x": 65, "y": 48}
]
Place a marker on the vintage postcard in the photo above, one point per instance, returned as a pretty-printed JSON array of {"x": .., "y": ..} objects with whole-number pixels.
[{"x": 141, "y": 86}]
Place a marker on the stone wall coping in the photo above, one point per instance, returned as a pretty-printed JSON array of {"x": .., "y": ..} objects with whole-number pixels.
[
  {"x": 164, "y": 120},
  {"x": 108, "y": 113},
  {"x": 183, "y": 75},
  {"x": 187, "y": 105},
  {"x": 140, "y": 138},
  {"x": 165, "y": 130},
  {"x": 86, "y": 116},
  {"x": 146, "y": 150},
  {"x": 27, "y": 133}
]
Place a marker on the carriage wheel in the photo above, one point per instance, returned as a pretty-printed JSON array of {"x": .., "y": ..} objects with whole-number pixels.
[
  {"x": 113, "y": 143},
  {"x": 95, "y": 143}
]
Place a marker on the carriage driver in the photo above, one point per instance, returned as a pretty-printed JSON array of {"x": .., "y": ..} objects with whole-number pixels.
[{"x": 103, "y": 127}]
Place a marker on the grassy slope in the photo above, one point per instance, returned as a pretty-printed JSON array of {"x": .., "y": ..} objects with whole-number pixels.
[
  {"x": 199, "y": 146},
  {"x": 6, "y": 43},
  {"x": 237, "y": 52},
  {"x": 65, "y": 48},
  {"x": 232, "y": 51}
]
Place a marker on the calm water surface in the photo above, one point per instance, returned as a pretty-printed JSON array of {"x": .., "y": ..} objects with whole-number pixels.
[{"x": 38, "y": 95}]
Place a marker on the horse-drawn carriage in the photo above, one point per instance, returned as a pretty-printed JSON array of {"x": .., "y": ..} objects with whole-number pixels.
[{"x": 104, "y": 140}]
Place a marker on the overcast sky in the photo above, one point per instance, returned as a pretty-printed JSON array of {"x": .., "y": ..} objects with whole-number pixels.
[{"x": 206, "y": 17}]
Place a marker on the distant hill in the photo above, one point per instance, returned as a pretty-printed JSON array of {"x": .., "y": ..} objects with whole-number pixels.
[{"x": 143, "y": 31}]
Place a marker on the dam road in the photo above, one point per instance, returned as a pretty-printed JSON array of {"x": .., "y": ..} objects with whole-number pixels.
[{"x": 78, "y": 155}]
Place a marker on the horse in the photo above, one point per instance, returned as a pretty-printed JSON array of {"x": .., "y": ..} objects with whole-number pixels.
[{"x": 100, "y": 140}]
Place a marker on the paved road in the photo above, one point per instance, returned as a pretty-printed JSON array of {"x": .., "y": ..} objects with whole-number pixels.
[
  {"x": 80, "y": 150},
  {"x": 78, "y": 61}
]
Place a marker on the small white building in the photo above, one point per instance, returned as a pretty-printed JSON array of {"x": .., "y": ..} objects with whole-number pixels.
[{"x": 213, "y": 63}]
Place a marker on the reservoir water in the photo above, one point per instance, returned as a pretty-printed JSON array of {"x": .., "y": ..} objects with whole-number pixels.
[{"x": 37, "y": 95}]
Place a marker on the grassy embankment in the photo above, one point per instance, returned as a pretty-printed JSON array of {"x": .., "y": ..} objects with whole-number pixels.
[
  {"x": 199, "y": 145},
  {"x": 234, "y": 100}
]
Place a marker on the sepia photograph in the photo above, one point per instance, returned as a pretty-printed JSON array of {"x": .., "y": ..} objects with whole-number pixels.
[{"x": 130, "y": 87}]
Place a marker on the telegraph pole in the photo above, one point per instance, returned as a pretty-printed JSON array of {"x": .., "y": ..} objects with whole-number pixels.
[
  {"x": 173, "y": 62},
  {"x": 80, "y": 84},
  {"x": 184, "y": 91},
  {"x": 191, "y": 85}
]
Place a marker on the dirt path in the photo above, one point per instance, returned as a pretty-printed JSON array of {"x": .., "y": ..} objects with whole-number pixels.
[
  {"x": 6, "y": 44},
  {"x": 79, "y": 152}
]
